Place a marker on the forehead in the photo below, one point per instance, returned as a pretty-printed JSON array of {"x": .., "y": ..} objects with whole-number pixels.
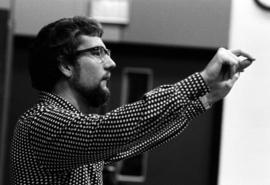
[{"x": 89, "y": 41}]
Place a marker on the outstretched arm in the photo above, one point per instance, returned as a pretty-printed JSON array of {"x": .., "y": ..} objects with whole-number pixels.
[{"x": 70, "y": 138}]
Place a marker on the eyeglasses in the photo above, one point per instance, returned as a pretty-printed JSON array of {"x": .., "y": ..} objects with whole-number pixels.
[{"x": 97, "y": 51}]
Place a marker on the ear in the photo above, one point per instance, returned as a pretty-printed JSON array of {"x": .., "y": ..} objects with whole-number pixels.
[{"x": 65, "y": 67}]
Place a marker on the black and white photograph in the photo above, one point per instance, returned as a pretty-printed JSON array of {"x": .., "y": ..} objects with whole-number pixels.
[{"x": 134, "y": 92}]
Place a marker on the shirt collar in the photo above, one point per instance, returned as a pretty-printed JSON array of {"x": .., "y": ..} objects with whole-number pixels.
[{"x": 46, "y": 97}]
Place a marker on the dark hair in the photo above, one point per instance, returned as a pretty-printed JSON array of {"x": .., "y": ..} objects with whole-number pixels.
[{"x": 55, "y": 41}]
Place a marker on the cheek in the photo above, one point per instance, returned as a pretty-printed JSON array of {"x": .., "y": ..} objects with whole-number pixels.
[{"x": 91, "y": 74}]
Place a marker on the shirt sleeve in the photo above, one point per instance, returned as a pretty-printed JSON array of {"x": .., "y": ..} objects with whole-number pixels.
[{"x": 63, "y": 139}]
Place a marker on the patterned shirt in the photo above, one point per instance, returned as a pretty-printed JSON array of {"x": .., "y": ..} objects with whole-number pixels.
[{"x": 55, "y": 144}]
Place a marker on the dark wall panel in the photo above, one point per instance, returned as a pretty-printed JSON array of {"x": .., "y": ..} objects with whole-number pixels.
[
  {"x": 3, "y": 52},
  {"x": 4, "y": 16},
  {"x": 191, "y": 158}
]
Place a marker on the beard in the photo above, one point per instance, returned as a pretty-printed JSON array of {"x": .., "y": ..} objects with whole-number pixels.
[{"x": 95, "y": 97}]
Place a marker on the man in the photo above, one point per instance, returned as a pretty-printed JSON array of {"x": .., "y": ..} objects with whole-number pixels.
[{"x": 59, "y": 141}]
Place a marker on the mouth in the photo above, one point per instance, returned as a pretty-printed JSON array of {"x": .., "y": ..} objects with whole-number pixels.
[
  {"x": 105, "y": 80},
  {"x": 107, "y": 77}
]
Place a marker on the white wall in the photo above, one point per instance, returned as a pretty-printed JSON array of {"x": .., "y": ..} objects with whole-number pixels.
[{"x": 245, "y": 148}]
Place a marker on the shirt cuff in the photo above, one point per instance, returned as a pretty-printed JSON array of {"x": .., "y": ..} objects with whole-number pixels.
[{"x": 196, "y": 86}]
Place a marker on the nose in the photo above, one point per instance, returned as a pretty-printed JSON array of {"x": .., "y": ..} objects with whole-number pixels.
[{"x": 109, "y": 63}]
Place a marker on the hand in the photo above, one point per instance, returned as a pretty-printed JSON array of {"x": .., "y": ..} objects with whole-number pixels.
[{"x": 223, "y": 71}]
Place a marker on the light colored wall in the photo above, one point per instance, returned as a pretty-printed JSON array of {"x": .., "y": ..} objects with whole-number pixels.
[
  {"x": 31, "y": 15},
  {"x": 245, "y": 149},
  {"x": 5, "y": 4},
  {"x": 200, "y": 23}
]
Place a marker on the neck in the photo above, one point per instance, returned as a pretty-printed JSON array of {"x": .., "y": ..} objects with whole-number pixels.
[{"x": 63, "y": 90}]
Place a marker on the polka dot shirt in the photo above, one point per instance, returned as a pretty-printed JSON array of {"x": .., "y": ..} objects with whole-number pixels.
[{"x": 56, "y": 144}]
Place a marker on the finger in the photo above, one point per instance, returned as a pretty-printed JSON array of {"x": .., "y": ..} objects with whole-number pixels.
[
  {"x": 229, "y": 83},
  {"x": 239, "y": 52},
  {"x": 230, "y": 63},
  {"x": 235, "y": 78},
  {"x": 234, "y": 63},
  {"x": 236, "y": 58},
  {"x": 243, "y": 64}
]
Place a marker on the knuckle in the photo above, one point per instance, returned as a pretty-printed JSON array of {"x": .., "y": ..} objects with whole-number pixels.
[
  {"x": 221, "y": 51},
  {"x": 227, "y": 86}
]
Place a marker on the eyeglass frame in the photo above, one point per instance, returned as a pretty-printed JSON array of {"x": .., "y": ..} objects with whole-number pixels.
[{"x": 102, "y": 51}]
